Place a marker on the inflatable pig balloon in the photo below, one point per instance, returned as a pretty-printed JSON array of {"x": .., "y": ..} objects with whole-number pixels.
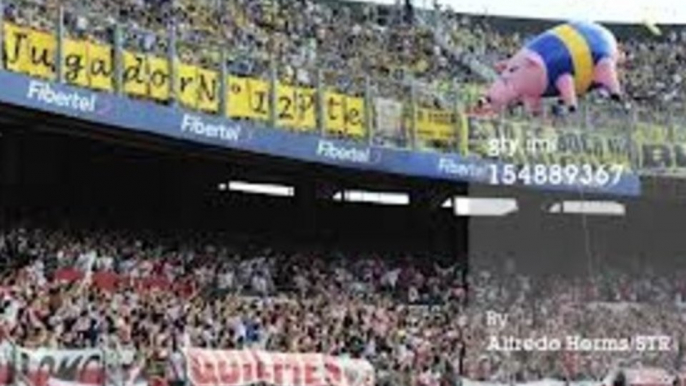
[{"x": 563, "y": 62}]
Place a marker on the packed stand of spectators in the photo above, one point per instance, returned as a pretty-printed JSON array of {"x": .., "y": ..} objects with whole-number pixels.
[
  {"x": 405, "y": 316},
  {"x": 345, "y": 40},
  {"x": 610, "y": 304},
  {"x": 655, "y": 73},
  {"x": 350, "y": 40},
  {"x": 397, "y": 314}
]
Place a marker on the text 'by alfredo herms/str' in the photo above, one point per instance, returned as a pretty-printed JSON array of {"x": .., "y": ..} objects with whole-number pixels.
[{"x": 577, "y": 342}]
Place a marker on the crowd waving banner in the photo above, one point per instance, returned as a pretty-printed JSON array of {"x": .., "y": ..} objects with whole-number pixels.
[{"x": 241, "y": 368}]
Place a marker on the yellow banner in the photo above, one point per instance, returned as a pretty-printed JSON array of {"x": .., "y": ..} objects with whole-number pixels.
[
  {"x": 188, "y": 84},
  {"x": 344, "y": 115},
  {"x": 354, "y": 113},
  {"x": 286, "y": 110},
  {"x": 43, "y": 51},
  {"x": 90, "y": 64},
  {"x": 307, "y": 108},
  {"x": 296, "y": 108},
  {"x": 75, "y": 66},
  {"x": 159, "y": 79},
  {"x": 208, "y": 90},
  {"x": 33, "y": 52},
  {"x": 334, "y": 113},
  {"x": 248, "y": 98},
  {"x": 237, "y": 95},
  {"x": 17, "y": 48},
  {"x": 100, "y": 66},
  {"x": 135, "y": 74},
  {"x": 435, "y": 125},
  {"x": 463, "y": 134}
]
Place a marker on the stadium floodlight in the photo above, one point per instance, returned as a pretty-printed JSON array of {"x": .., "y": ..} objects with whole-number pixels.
[
  {"x": 605, "y": 208},
  {"x": 382, "y": 198},
  {"x": 258, "y": 188},
  {"x": 481, "y": 206}
]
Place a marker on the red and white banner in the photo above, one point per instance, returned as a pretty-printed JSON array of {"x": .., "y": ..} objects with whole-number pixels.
[
  {"x": 47, "y": 367},
  {"x": 641, "y": 376},
  {"x": 110, "y": 281},
  {"x": 648, "y": 377},
  {"x": 241, "y": 368},
  {"x": 37, "y": 367}
]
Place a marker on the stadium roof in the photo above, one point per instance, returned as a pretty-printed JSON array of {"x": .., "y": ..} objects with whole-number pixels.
[{"x": 626, "y": 11}]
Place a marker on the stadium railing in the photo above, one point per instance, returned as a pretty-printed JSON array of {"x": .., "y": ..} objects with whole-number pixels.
[{"x": 95, "y": 52}]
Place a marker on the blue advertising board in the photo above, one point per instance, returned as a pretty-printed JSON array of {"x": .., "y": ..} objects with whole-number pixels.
[{"x": 149, "y": 117}]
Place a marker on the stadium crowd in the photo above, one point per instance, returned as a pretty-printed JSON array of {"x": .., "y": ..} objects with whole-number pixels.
[
  {"x": 609, "y": 305},
  {"x": 398, "y": 316},
  {"x": 346, "y": 41},
  {"x": 407, "y": 318},
  {"x": 350, "y": 40},
  {"x": 347, "y": 38}
]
